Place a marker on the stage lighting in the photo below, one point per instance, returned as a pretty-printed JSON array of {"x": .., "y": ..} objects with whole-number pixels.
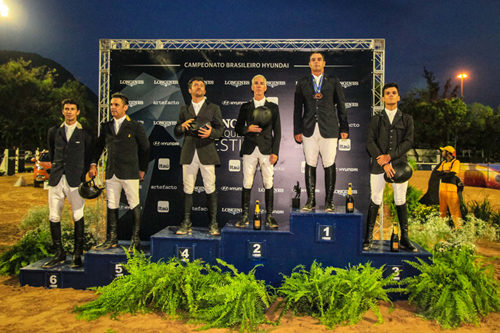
[{"x": 4, "y": 10}]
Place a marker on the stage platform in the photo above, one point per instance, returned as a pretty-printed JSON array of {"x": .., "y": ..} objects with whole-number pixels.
[{"x": 332, "y": 239}]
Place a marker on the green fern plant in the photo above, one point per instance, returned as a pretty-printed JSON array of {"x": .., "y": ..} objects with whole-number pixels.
[
  {"x": 455, "y": 288},
  {"x": 238, "y": 299},
  {"x": 335, "y": 296},
  {"x": 34, "y": 246}
]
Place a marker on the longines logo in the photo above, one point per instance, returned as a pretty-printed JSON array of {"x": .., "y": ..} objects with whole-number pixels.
[
  {"x": 278, "y": 168},
  {"x": 274, "y": 84},
  {"x": 163, "y": 187},
  {"x": 209, "y": 82},
  {"x": 278, "y": 211},
  {"x": 199, "y": 189},
  {"x": 233, "y": 211},
  {"x": 164, "y": 123},
  {"x": 347, "y": 84},
  {"x": 344, "y": 144},
  {"x": 230, "y": 188},
  {"x": 166, "y": 102},
  {"x": 344, "y": 192},
  {"x": 164, "y": 163},
  {"x": 199, "y": 209},
  {"x": 135, "y": 103},
  {"x": 234, "y": 165},
  {"x": 354, "y": 125},
  {"x": 131, "y": 83},
  {"x": 163, "y": 206},
  {"x": 225, "y": 103},
  {"x": 229, "y": 123},
  {"x": 159, "y": 143},
  {"x": 236, "y": 83},
  {"x": 351, "y": 105},
  {"x": 276, "y": 190},
  {"x": 124, "y": 207},
  {"x": 347, "y": 169},
  {"x": 305, "y": 190},
  {"x": 166, "y": 83}
]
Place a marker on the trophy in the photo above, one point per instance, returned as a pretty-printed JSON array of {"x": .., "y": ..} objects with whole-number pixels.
[{"x": 296, "y": 200}]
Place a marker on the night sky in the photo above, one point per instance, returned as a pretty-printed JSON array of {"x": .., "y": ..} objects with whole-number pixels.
[{"x": 446, "y": 37}]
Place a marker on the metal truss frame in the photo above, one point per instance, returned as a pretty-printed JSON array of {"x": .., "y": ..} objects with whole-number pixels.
[{"x": 377, "y": 45}]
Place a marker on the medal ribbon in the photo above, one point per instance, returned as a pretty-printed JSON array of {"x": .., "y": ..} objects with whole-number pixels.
[{"x": 317, "y": 88}]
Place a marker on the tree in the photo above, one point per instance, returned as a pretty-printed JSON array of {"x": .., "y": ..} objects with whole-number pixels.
[{"x": 30, "y": 103}]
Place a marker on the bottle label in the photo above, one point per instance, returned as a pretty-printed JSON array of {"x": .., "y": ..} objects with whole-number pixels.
[
  {"x": 395, "y": 245},
  {"x": 350, "y": 206}
]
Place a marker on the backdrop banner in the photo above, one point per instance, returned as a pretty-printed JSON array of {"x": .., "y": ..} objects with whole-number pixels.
[{"x": 155, "y": 81}]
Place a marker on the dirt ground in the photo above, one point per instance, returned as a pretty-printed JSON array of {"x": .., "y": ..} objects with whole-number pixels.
[{"x": 29, "y": 309}]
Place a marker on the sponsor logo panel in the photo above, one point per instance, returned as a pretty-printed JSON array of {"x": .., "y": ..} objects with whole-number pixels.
[{"x": 163, "y": 206}]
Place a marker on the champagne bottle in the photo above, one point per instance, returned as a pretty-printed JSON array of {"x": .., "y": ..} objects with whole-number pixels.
[
  {"x": 395, "y": 238},
  {"x": 349, "y": 200},
  {"x": 256, "y": 217}
]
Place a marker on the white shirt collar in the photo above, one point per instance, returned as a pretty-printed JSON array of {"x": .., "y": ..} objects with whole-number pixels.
[
  {"x": 121, "y": 120},
  {"x": 197, "y": 106},
  {"x": 259, "y": 103}
]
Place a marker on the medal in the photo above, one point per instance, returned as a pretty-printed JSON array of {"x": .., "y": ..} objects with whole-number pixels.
[{"x": 317, "y": 88}]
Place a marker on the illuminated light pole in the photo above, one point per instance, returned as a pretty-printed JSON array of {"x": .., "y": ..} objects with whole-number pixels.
[
  {"x": 4, "y": 10},
  {"x": 462, "y": 77}
]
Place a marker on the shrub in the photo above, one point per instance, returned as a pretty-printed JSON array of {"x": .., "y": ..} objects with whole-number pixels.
[
  {"x": 456, "y": 288},
  {"x": 339, "y": 299},
  {"x": 32, "y": 247}
]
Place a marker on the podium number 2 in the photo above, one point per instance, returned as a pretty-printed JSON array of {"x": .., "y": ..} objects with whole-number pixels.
[{"x": 257, "y": 250}]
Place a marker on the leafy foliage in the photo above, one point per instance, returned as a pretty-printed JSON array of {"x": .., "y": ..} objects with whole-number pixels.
[
  {"x": 32, "y": 247},
  {"x": 336, "y": 299},
  {"x": 434, "y": 230},
  {"x": 37, "y": 242},
  {"x": 413, "y": 194},
  {"x": 238, "y": 299},
  {"x": 222, "y": 299},
  {"x": 456, "y": 288},
  {"x": 30, "y": 103}
]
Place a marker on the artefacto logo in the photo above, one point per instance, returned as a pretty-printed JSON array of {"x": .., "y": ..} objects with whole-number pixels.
[
  {"x": 233, "y": 211},
  {"x": 131, "y": 83},
  {"x": 278, "y": 168},
  {"x": 163, "y": 206},
  {"x": 160, "y": 144},
  {"x": 166, "y": 83},
  {"x": 230, "y": 188},
  {"x": 347, "y": 84},
  {"x": 164, "y": 123},
  {"x": 135, "y": 103},
  {"x": 234, "y": 165},
  {"x": 345, "y": 144},
  {"x": 236, "y": 84},
  {"x": 199, "y": 189},
  {"x": 278, "y": 211},
  {"x": 274, "y": 84},
  {"x": 163, "y": 187},
  {"x": 226, "y": 103},
  {"x": 354, "y": 125},
  {"x": 164, "y": 163},
  {"x": 199, "y": 209},
  {"x": 351, "y": 105},
  {"x": 166, "y": 103}
]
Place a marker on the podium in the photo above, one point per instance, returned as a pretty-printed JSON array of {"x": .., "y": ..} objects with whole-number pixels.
[{"x": 332, "y": 239}]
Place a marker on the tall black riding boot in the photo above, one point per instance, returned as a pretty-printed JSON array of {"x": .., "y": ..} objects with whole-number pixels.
[
  {"x": 186, "y": 223},
  {"x": 245, "y": 207},
  {"x": 212, "y": 212},
  {"x": 370, "y": 224},
  {"x": 330, "y": 177},
  {"x": 135, "y": 242},
  {"x": 111, "y": 230},
  {"x": 270, "y": 221},
  {"x": 60, "y": 256},
  {"x": 79, "y": 234},
  {"x": 311, "y": 188},
  {"x": 405, "y": 243}
]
